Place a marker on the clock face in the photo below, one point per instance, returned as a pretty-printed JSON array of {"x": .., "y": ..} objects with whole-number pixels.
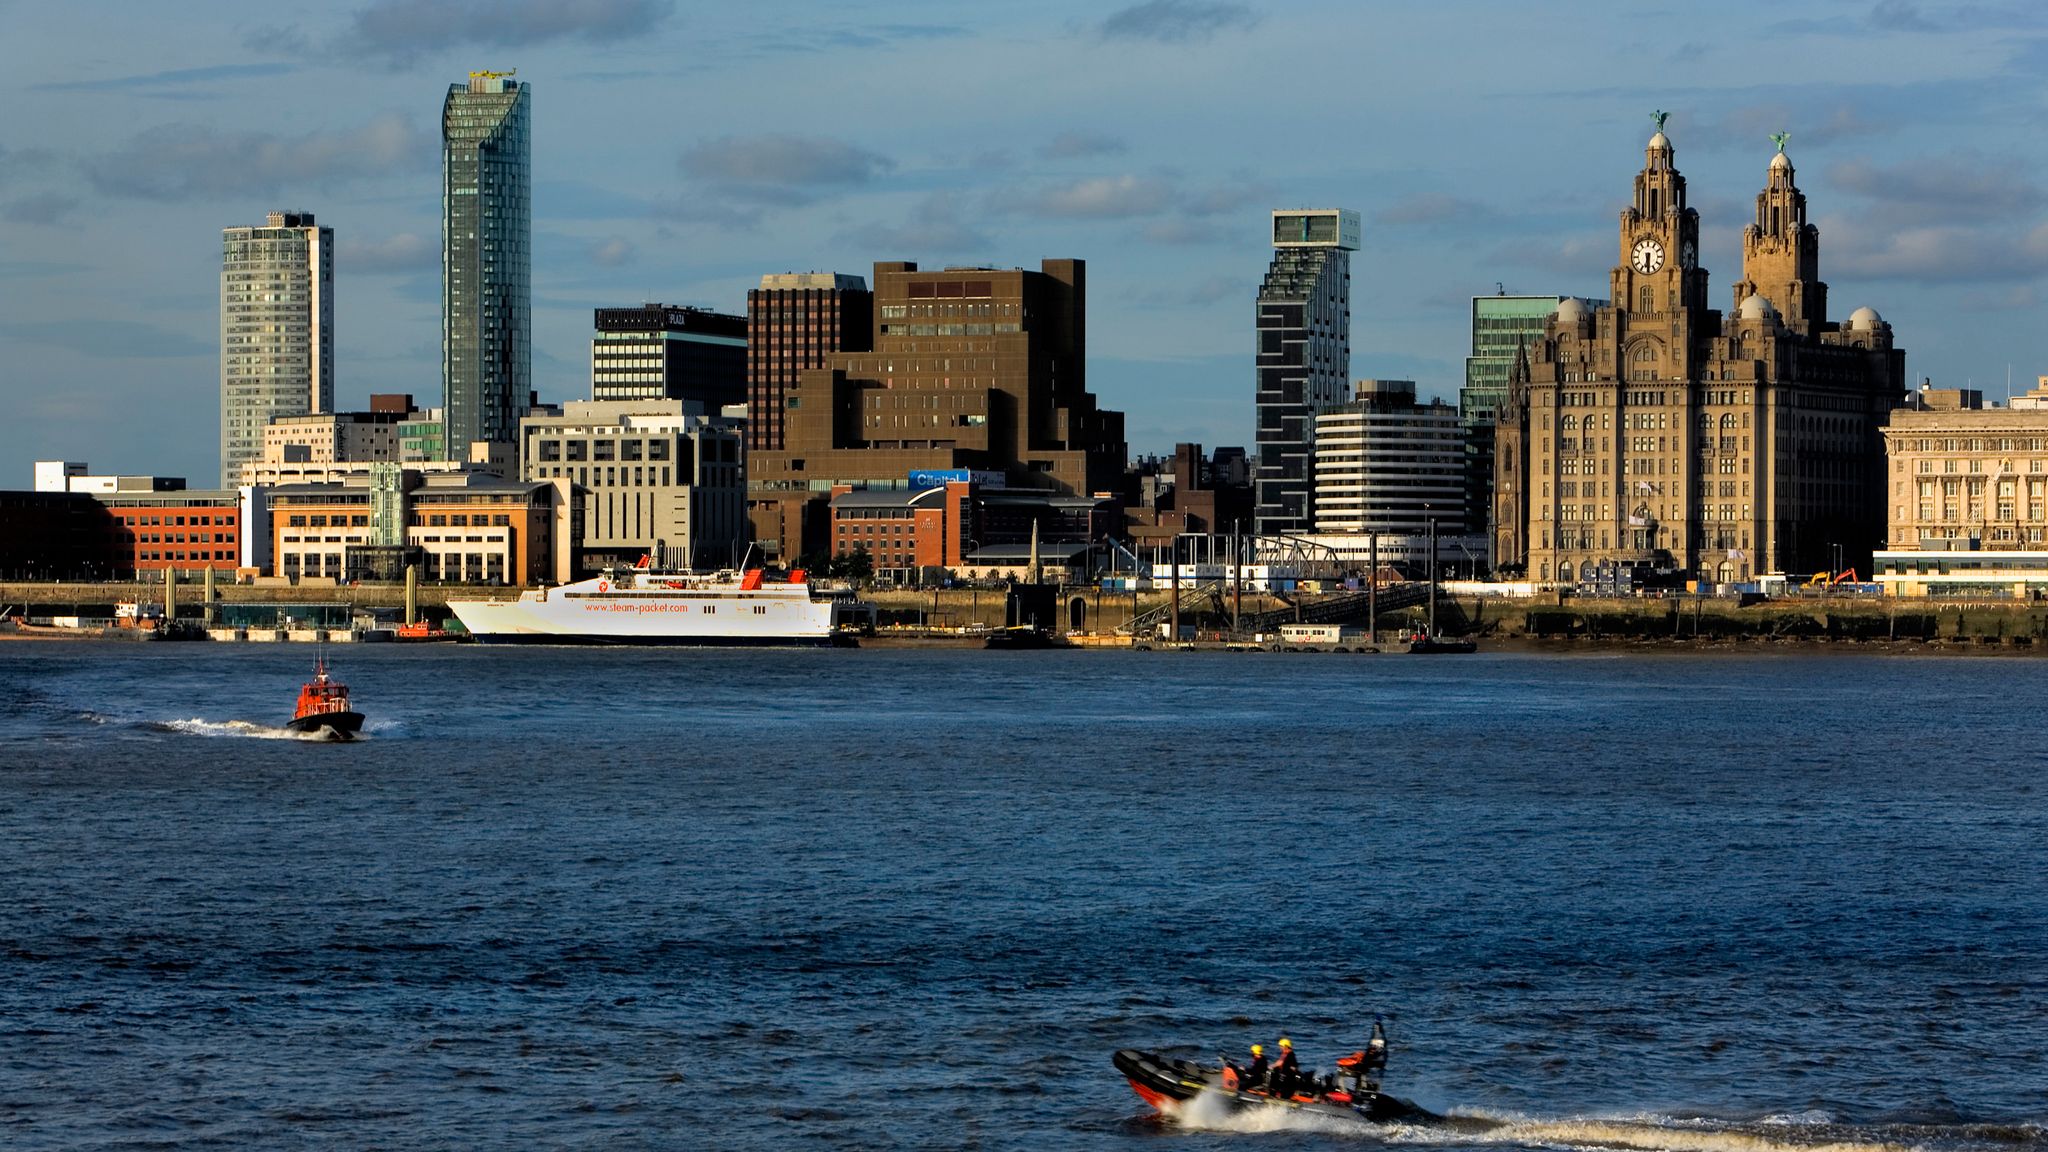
[
  {"x": 1647, "y": 256},
  {"x": 1688, "y": 256}
]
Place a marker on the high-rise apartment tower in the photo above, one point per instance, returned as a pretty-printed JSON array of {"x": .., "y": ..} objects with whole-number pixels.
[
  {"x": 276, "y": 331},
  {"x": 486, "y": 240},
  {"x": 1304, "y": 357}
]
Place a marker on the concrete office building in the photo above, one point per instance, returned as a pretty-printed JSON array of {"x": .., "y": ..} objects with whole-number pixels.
[
  {"x": 276, "y": 330},
  {"x": 1658, "y": 433},
  {"x": 652, "y": 478},
  {"x": 974, "y": 369},
  {"x": 1386, "y": 464},
  {"x": 1304, "y": 358},
  {"x": 486, "y": 245},
  {"x": 660, "y": 352}
]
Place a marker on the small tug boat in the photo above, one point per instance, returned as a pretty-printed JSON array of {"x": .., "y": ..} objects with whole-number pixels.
[
  {"x": 1353, "y": 1092},
  {"x": 324, "y": 709}
]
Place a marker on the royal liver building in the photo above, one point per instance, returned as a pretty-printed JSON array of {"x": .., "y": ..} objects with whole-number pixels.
[{"x": 1658, "y": 432}]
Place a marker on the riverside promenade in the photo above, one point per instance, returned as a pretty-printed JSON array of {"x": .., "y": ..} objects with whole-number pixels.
[{"x": 2017, "y": 624}]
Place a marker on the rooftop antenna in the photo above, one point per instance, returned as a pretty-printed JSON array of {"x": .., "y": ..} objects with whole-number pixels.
[{"x": 1499, "y": 289}]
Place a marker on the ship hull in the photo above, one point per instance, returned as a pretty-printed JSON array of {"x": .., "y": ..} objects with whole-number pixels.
[
  {"x": 652, "y": 609},
  {"x": 342, "y": 725},
  {"x": 664, "y": 641}
]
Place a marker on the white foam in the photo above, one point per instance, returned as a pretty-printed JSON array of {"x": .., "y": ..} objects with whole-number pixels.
[
  {"x": 237, "y": 728},
  {"x": 1646, "y": 1135},
  {"x": 1212, "y": 1111}
]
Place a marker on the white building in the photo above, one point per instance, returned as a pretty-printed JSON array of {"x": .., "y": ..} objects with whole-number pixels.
[
  {"x": 276, "y": 330},
  {"x": 653, "y": 480},
  {"x": 1387, "y": 465}
]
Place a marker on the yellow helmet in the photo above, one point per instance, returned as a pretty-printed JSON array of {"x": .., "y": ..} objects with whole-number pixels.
[
  {"x": 1258, "y": 1049},
  {"x": 1286, "y": 1043}
]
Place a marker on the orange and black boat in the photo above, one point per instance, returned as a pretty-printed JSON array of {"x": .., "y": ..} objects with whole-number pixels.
[
  {"x": 1352, "y": 1092},
  {"x": 324, "y": 707}
]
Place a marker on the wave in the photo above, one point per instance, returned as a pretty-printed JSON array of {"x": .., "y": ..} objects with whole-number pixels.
[
  {"x": 243, "y": 729},
  {"x": 1810, "y": 1131}
]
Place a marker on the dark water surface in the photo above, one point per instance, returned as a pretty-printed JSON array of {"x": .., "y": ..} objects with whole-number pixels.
[{"x": 616, "y": 899}]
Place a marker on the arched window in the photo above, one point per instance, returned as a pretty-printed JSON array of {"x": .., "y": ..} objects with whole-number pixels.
[
  {"x": 1570, "y": 423},
  {"x": 1564, "y": 573},
  {"x": 1728, "y": 422}
]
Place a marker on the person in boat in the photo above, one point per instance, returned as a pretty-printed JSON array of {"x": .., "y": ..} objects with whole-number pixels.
[
  {"x": 1252, "y": 1077},
  {"x": 1376, "y": 1049},
  {"x": 1286, "y": 1074}
]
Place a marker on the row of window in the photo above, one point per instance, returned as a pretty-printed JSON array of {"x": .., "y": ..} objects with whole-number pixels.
[{"x": 1975, "y": 466}]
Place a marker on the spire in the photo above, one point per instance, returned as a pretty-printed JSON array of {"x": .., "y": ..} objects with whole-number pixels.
[
  {"x": 1657, "y": 153},
  {"x": 1781, "y": 250}
]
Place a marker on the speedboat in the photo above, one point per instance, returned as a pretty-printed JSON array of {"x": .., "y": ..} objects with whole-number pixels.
[
  {"x": 324, "y": 709},
  {"x": 1352, "y": 1092}
]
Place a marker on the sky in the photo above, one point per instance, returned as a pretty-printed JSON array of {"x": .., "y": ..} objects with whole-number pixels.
[{"x": 682, "y": 149}]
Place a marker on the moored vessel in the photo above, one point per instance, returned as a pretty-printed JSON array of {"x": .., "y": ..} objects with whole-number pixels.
[
  {"x": 643, "y": 606},
  {"x": 324, "y": 708}
]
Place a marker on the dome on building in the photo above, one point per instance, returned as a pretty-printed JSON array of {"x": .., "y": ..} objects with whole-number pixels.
[
  {"x": 1570, "y": 309},
  {"x": 1758, "y": 308},
  {"x": 1660, "y": 140},
  {"x": 1865, "y": 320},
  {"x": 1781, "y": 161}
]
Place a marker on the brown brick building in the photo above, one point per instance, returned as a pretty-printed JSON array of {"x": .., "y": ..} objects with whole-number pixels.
[
  {"x": 795, "y": 322},
  {"x": 1658, "y": 433},
  {"x": 972, "y": 368}
]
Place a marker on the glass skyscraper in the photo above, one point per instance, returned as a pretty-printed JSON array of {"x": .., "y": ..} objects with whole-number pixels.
[
  {"x": 1304, "y": 358},
  {"x": 1502, "y": 326},
  {"x": 486, "y": 244},
  {"x": 276, "y": 331}
]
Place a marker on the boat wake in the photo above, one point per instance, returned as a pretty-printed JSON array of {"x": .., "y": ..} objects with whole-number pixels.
[
  {"x": 241, "y": 729},
  {"x": 1212, "y": 1112}
]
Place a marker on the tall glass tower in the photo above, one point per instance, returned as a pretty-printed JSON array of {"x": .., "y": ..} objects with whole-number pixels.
[
  {"x": 1304, "y": 358},
  {"x": 276, "y": 331},
  {"x": 486, "y": 241}
]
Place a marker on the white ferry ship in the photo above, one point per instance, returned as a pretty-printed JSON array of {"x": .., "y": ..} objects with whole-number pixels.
[{"x": 639, "y": 606}]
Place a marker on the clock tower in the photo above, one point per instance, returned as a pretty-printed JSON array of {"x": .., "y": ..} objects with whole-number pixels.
[{"x": 1659, "y": 274}]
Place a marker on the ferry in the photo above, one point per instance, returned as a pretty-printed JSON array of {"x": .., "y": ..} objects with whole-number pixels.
[{"x": 643, "y": 606}]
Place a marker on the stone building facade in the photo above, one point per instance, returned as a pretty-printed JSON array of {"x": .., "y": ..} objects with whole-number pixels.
[
  {"x": 1964, "y": 476},
  {"x": 1658, "y": 433}
]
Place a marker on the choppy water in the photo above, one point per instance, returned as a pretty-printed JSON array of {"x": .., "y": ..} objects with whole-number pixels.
[{"x": 570, "y": 899}]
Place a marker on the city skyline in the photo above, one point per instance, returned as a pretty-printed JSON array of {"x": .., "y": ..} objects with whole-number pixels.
[{"x": 790, "y": 151}]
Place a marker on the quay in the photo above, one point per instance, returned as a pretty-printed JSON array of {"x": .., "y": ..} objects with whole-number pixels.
[{"x": 1093, "y": 618}]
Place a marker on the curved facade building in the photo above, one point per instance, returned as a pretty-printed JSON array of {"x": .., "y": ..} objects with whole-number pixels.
[{"x": 1387, "y": 465}]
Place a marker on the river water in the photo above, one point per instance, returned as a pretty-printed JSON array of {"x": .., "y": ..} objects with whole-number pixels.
[{"x": 832, "y": 899}]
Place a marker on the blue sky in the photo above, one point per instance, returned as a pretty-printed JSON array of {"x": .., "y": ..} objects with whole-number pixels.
[{"x": 682, "y": 149}]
